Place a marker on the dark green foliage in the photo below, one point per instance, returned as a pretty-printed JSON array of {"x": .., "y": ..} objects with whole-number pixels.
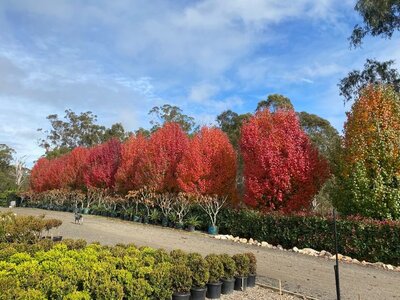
[
  {"x": 216, "y": 268},
  {"x": 242, "y": 262},
  {"x": 170, "y": 113},
  {"x": 182, "y": 279},
  {"x": 229, "y": 266},
  {"x": 200, "y": 269},
  {"x": 77, "y": 130},
  {"x": 275, "y": 102},
  {"x": 380, "y": 17},
  {"x": 253, "y": 262},
  {"x": 374, "y": 73},
  {"x": 364, "y": 239}
]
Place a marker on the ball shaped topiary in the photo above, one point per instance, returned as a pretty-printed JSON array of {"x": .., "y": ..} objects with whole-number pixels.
[
  {"x": 216, "y": 268},
  {"x": 242, "y": 262},
  {"x": 200, "y": 269},
  {"x": 229, "y": 266},
  {"x": 178, "y": 257},
  {"x": 253, "y": 262},
  {"x": 181, "y": 279}
]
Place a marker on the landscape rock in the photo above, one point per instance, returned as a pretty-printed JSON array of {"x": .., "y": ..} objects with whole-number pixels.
[
  {"x": 264, "y": 244},
  {"x": 280, "y": 247},
  {"x": 390, "y": 267},
  {"x": 243, "y": 241},
  {"x": 309, "y": 251},
  {"x": 295, "y": 249}
]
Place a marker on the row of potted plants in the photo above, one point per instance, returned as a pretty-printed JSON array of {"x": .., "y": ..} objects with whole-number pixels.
[
  {"x": 71, "y": 268},
  {"x": 198, "y": 277}
]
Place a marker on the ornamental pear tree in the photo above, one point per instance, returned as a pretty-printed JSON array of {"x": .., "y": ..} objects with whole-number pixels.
[
  {"x": 208, "y": 166},
  {"x": 129, "y": 173},
  {"x": 102, "y": 165},
  {"x": 282, "y": 169},
  {"x": 74, "y": 168},
  {"x": 370, "y": 179},
  {"x": 165, "y": 149}
]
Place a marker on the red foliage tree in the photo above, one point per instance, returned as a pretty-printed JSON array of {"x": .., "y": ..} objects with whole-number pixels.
[
  {"x": 129, "y": 176},
  {"x": 102, "y": 165},
  {"x": 48, "y": 174},
  {"x": 164, "y": 152},
  {"x": 208, "y": 167},
  {"x": 282, "y": 170},
  {"x": 75, "y": 165}
]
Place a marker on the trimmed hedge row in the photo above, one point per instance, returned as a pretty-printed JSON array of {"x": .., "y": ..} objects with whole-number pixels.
[{"x": 364, "y": 239}]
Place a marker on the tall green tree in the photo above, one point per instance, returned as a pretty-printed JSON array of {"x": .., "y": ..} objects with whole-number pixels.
[
  {"x": 7, "y": 182},
  {"x": 231, "y": 123},
  {"x": 76, "y": 130},
  {"x": 323, "y": 135},
  {"x": 380, "y": 17},
  {"x": 275, "y": 102},
  {"x": 374, "y": 72},
  {"x": 170, "y": 113}
]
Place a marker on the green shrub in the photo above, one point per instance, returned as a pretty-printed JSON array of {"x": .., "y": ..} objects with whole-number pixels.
[
  {"x": 200, "y": 269},
  {"x": 364, "y": 239},
  {"x": 182, "y": 278},
  {"x": 178, "y": 257},
  {"x": 77, "y": 295},
  {"x": 32, "y": 294},
  {"x": 242, "y": 263},
  {"x": 216, "y": 268},
  {"x": 229, "y": 266},
  {"x": 253, "y": 262}
]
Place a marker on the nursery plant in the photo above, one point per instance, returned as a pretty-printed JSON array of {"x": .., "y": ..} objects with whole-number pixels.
[
  {"x": 228, "y": 279},
  {"x": 242, "y": 262},
  {"x": 251, "y": 280},
  {"x": 181, "y": 281},
  {"x": 216, "y": 269},
  {"x": 200, "y": 275}
]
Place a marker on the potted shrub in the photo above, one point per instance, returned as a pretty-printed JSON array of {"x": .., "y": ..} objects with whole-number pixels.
[
  {"x": 192, "y": 222},
  {"x": 242, "y": 262},
  {"x": 251, "y": 279},
  {"x": 216, "y": 270},
  {"x": 178, "y": 257},
  {"x": 200, "y": 275},
  {"x": 181, "y": 282},
  {"x": 154, "y": 216},
  {"x": 228, "y": 280}
]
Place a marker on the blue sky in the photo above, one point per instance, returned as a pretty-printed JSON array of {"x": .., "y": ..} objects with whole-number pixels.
[{"x": 118, "y": 59}]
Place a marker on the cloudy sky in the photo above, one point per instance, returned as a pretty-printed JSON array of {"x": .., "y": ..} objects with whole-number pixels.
[{"x": 120, "y": 58}]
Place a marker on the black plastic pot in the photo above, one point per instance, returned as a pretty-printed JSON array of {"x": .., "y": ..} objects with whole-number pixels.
[
  {"x": 191, "y": 228},
  {"x": 164, "y": 222},
  {"x": 214, "y": 290},
  {"x": 178, "y": 225},
  {"x": 180, "y": 296},
  {"x": 197, "y": 293},
  {"x": 227, "y": 286},
  {"x": 240, "y": 283},
  {"x": 145, "y": 220},
  {"x": 57, "y": 238},
  {"x": 251, "y": 280}
]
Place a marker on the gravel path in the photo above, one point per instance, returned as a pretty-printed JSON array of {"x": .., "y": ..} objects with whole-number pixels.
[{"x": 311, "y": 276}]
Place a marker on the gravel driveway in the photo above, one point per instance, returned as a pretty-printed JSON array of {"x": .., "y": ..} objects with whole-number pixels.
[{"x": 311, "y": 276}]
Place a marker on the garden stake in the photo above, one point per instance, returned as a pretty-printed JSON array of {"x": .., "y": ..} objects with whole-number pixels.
[
  {"x": 336, "y": 267},
  {"x": 280, "y": 287}
]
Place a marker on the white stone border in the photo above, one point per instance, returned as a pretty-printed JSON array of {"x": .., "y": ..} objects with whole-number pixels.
[{"x": 305, "y": 251}]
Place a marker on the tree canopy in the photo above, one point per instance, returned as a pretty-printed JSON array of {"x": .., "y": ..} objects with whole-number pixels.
[
  {"x": 375, "y": 73},
  {"x": 77, "y": 130},
  {"x": 380, "y": 17},
  {"x": 170, "y": 113}
]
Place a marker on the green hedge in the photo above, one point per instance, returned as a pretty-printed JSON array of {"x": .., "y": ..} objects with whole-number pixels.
[{"x": 364, "y": 239}]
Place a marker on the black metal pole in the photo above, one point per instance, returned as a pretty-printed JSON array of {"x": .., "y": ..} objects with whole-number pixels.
[{"x": 336, "y": 267}]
